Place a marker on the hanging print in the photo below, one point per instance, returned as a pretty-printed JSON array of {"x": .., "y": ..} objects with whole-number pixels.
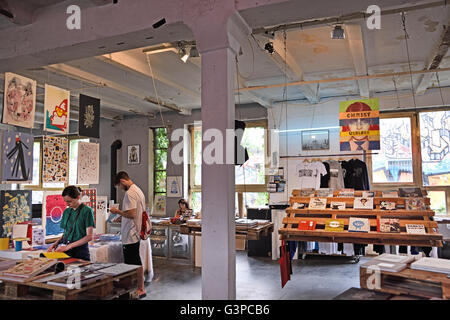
[
  {"x": 17, "y": 163},
  {"x": 360, "y": 125},
  {"x": 89, "y": 198},
  {"x": 55, "y": 159},
  {"x": 101, "y": 215},
  {"x": 174, "y": 186},
  {"x": 52, "y": 212},
  {"x": 89, "y": 117},
  {"x": 15, "y": 207},
  {"x": 19, "y": 101},
  {"x": 57, "y": 105},
  {"x": 88, "y": 163}
]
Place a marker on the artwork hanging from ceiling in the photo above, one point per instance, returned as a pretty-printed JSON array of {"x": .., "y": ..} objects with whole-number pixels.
[
  {"x": 17, "y": 165},
  {"x": 52, "y": 211},
  {"x": 360, "y": 125},
  {"x": 19, "y": 100},
  {"x": 56, "y": 109},
  {"x": 89, "y": 198},
  {"x": 15, "y": 207},
  {"x": 55, "y": 160},
  {"x": 88, "y": 163},
  {"x": 101, "y": 215},
  {"x": 89, "y": 117}
]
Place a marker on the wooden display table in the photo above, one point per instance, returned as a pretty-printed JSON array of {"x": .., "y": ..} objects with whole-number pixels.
[
  {"x": 424, "y": 217},
  {"x": 107, "y": 288},
  {"x": 253, "y": 233},
  {"x": 412, "y": 282}
]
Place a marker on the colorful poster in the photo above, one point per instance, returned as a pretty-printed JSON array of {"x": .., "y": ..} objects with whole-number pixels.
[
  {"x": 52, "y": 212},
  {"x": 17, "y": 163},
  {"x": 360, "y": 125},
  {"x": 19, "y": 100},
  {"x": 88, "y": 163},
  {"x": 89, "y": 198},
  {"x": 89, "y": 117},
  {"x": 101, "y": 215},
  {"x": 159, "y": 205},
  {"x": 55, "y": 160},
  {"x": 15, "y": 207},
  {"x": 57, "y": 109}
]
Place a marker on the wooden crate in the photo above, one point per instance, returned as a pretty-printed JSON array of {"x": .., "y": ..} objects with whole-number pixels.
[
  {"x": 107, "y": 288},
  {"x": 410, "y": 282},
  {"x": 289, "y": 230}
]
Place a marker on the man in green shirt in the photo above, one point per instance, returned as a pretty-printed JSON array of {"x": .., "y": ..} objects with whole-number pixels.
[{"x": 78, "y": 224}]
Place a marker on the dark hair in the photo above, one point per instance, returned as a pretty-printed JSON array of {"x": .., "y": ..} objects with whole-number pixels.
[
  {"x": 185, "y": 202},
  {"x": 72, "y": 191},
  {"x": 120, "y": 175}
]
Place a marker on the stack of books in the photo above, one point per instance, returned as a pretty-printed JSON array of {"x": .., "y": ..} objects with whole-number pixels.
[
  {"x": 28, "y": 269},
  {"x": 432, "y": 265}
]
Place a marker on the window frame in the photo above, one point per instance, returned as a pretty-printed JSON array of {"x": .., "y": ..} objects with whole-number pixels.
[
  {"x": 239, "y": 188},
  {"x": 154, "y": 160},
  {"x": 417, "y": 156}
]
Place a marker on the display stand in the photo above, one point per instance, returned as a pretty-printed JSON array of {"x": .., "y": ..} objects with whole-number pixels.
[{"x": 290, "y": 232}]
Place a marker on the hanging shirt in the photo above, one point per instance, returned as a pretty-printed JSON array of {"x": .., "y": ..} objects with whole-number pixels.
[
  {"x": 336, "y": 175},
  {"x": 325, "y": 180},
  {"x": 310, "y": 174},
  {"x": 356, "y": 176}
]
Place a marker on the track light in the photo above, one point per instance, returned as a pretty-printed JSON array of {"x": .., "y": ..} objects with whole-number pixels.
[
  {"x": 193, "y": 53},
  {"x": 338, "y": 32},
  {"x": 269, "y": 47}
]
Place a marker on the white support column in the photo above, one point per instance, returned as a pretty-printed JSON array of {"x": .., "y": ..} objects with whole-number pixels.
[{"x": 218, "y": 30}]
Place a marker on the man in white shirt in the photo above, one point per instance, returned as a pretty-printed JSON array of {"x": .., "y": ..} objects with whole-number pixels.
[{"x": 133, "y": 206}]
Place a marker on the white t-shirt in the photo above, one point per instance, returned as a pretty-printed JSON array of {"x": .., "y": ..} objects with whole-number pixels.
[
  {"x": 133, "y": 199},
  {"x": 309, "y": 174}
]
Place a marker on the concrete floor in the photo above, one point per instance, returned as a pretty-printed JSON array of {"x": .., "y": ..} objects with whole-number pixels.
[{"x": 258, "y": 278}]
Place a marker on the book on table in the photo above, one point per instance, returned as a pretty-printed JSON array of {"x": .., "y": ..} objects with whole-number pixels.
[
  {"x": 297, "y": 205},
  {"x": 368, "y": 194},
  {"x": 334, "y": 225},
  {"x": 361, "y": 203},
  {"x": 346, "y": 193},
  {"x": 432, "y": 264},
  {"x": 382, "y": 265},
  {"x": 389, "y": 194},
  {"x": 306, "y": 225},
  {"x": 336, "y": 205},
  {"x": 325, "y": 192},
  {"x": 395, "y": 258},
  {"x": 388, "y": 225},
  {"x": 415, "y": 204},
  {"x": 415, "y": 229},
  {"x": 358, "y": 224},
  {"x": 410, "y": 192},
  {"x": 318, "y": 203},
  {"x": 388, "y": 205},
  {"x": 307, "y": 192}
]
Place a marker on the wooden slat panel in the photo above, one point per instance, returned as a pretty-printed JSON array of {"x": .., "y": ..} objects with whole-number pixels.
[
  {"x": 373, "y": 222},
  {"x": 352, "y": 212}
]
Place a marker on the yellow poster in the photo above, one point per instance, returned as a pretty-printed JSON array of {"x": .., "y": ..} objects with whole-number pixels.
[{"x": 360, "y": 125}]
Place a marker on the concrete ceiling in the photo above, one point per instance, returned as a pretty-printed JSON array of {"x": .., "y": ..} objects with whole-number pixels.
[{"x": 123, "y": 79}]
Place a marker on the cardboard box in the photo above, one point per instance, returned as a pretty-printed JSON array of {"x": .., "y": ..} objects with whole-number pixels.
[{"x": 240, "y": 242}]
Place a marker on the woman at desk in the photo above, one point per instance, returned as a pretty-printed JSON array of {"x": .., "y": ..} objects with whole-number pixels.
[
  {"x": 183, "y": 212},
  {"x": 78, "y": 224}
]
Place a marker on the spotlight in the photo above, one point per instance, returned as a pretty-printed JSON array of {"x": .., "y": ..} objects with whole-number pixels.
[
  {"x": 338, "y": 32},
  {"x": 194, "y": 52},
  {"x": 183, "y": 55},
  {"x": 269, "y": 47}
]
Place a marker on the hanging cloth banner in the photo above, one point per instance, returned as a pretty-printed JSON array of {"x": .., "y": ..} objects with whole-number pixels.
[{"x": 360, "y": 125}]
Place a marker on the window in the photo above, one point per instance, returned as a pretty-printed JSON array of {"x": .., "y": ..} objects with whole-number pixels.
[
  {"x": 435, "y": 146},
  {"x": 160, "y": 160},
  {"x": 252, "y": 172},
  {"x": 437, "y": 202},
  {"x": 393, "y": 163}
]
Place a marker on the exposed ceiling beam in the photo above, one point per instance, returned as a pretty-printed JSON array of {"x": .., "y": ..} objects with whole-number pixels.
[
  {"x": 347, "y": 17},
  {"x": 19, "y": 12},
  {"x": 288, "y": 65},
  {"x": 356, "y": 45},
  {"x": 129, "y": 63},
  {"x": 438, "y": 54},
  {"x": 374, "y": 76},
  {"x": 88, "y": 77}
]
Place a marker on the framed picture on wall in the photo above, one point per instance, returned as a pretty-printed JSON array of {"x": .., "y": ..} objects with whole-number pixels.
[
  {"x": 174, "y": 186},
  {"x": 134, "y": 154},
  {"x": 315, "y": 140}
]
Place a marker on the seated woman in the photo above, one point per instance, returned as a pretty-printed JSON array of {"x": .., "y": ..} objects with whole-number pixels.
[
  {"x": 78, "y": 224},
  {"x": 183, "y": 212}
]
